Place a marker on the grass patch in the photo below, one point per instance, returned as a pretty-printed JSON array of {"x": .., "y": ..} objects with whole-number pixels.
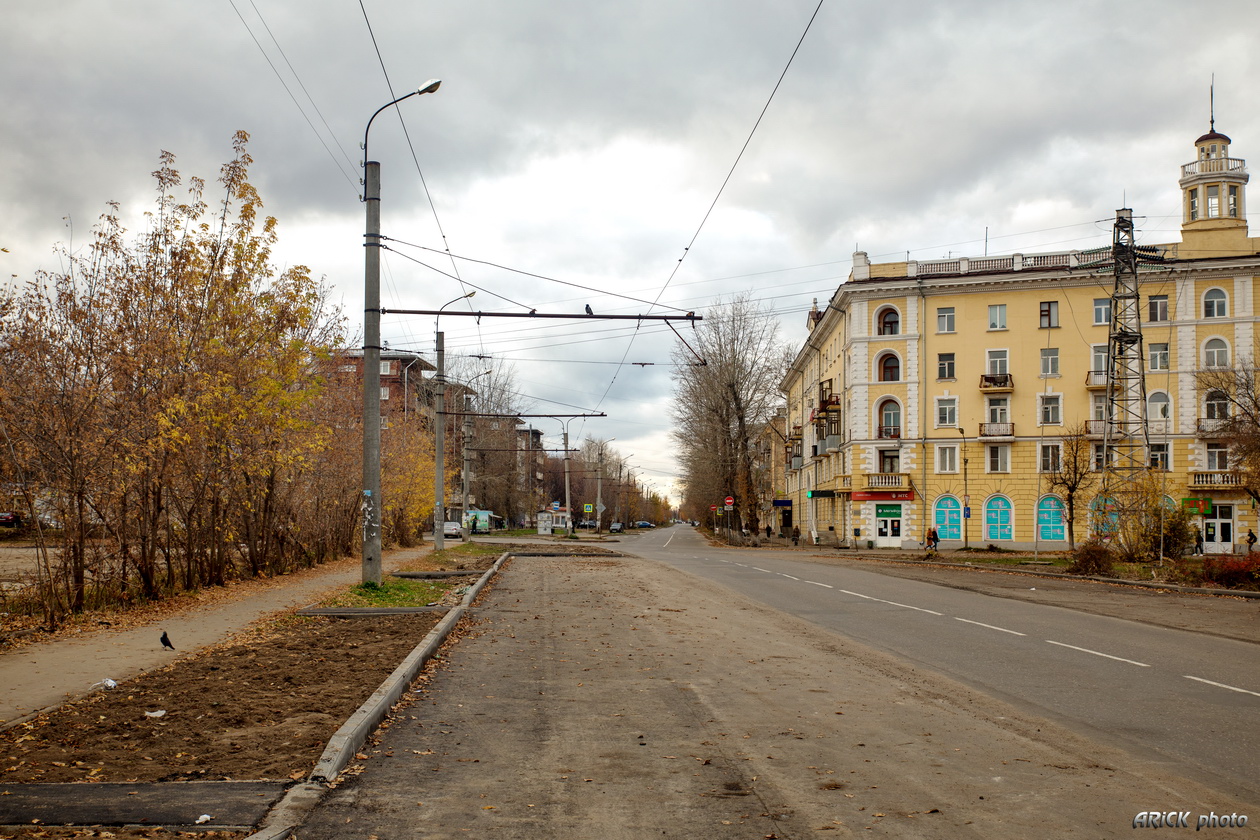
[{"x": 392, "y": 592}]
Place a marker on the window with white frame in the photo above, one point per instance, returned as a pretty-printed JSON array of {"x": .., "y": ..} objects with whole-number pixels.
[
  {"x": 384, "y": 392},
  {"x": 999, "y": 460},
  {"x": 1157, "y": 308},
  {"x": 1100, "y": 409},
  {"x": 1158, "y": 406},
  {"x": 1233, "y": 202},
  {"x": 1051, "y": 409},
  {"x": 1213, "y": 201},
  {"x": 1098, "y": 358},
  {"x": 999, "y": 410},
  {"x": 997, "y": 316},
  {"x": 947, "y": 411},
  {"x": 1102, "y": 311},
  {"x": 1193, "y": 195},
  {"x": 945, "y": 319},
  {"x": 1159, "y": 456},
  {"x": 1049, "y": 314},
  {"x": 1159, "y": 356},
  {"x": 386, "y": 368},
  {"x": 1050, "y": 457},
  {"x": 1215, "y": 304},
  {"x": 947, "y": 458},
  {"x": 1217, "y": 457},
  {"x": 1102, "y": 457},
  {"x": 997, "y": 361},
  {"x": 1049, "y": 361},
  {"x": 1216, "y": 353}
]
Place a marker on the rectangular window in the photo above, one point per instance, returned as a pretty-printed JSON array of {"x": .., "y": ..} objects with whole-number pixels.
[
  {"x": 1049, "y": 461},
  {"x": 1099, "y": 455},
  {"x": 997, "y": 316},
  {"x": 348, "y": 368},
  {"x": 1051, "y": 414},
  {"x": 945, "y": 366},
  {"x": 945, "y": 319},
  {"x": 999, "y": 458},
  {"x": 1233, "y": 202},
  {"x": 1217, "y": 456},
  {"x": 1213, "y": 201},
  {"x": 386, "y": 368},
  {"x": 384, "y": 392},
  {"x": 947, "y": 412},
  {"x": 999, "y": 410},
  {"x": 1157, "y": 308},
  {"x": 1194, "y": 203},
  {"x": 1101, "y": 408},
  {"x": 1159, "y": 456},
  {"x": 997, "y": 361},
  {"x": 1049, "y": 361},
  {"x": 1049, "y": 314},
  {"x": 1099, "y": 359},
  {"x": 1159, "y": 357},
  {"x": 1102, "y": 311},
  {"x": 947, "y": 459}
]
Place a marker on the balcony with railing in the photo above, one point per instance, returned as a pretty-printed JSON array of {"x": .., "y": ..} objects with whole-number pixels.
[
  {"x": 1096, "y": 379},
  {"x": 1214, "y": 478},
  {"x": 1212, "y": 425},
  {"x": 1099, "y": 428},
  {"x": 1213, "y": 166},
  {"x": 887, "y": 481},
  {"x": 889, "y": 432},
  {"x": 997, "y": 430},
  {"x": 996, "y": 382}
]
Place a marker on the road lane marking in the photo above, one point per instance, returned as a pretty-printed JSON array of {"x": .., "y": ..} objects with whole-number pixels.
[
  {"x": 990, "y": 626},
  {"x": 816, "y": 583},
  {"x": 893, "y": 603},
  {"x": 767, "y": 571},
  {"x": 1222, "y": 685},
  {"x": 789, "y": 576},
  {"x": 1096, "y": 653}
]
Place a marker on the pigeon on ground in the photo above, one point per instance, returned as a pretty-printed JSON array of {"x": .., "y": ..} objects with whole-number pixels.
[
  {"x": 588, "y": 310},
  {"x": 166, "y": 642}
]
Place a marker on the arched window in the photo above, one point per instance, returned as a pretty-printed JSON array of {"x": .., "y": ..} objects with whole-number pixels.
[
  {"x": 1216, "y": 353},
  {"x": 889, "y": 368},
  {"x": 1216, "y": 405},
  {"x": 1104, "y": 517},
  {"x": 997, "y": 519},
  {"x": 1215, "y": 304},
  {"x": 889, "y": 322},
  {"x": 889, "y": 419},
  {"x": 947, "y": 517},
  {"x": 1050, "y": 519},
  {"x": 1157, "y": 406}
]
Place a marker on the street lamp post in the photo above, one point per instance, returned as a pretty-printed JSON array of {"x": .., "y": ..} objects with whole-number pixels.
[
  {"x": 372, "y": 507},
  {"x": 439, "y": 430}
]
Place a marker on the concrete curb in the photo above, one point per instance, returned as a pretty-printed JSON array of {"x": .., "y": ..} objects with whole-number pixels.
[{"x": 288, "y": 814}]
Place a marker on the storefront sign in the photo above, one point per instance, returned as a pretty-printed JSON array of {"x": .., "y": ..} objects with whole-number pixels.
[{"x": 883, "y": 495}]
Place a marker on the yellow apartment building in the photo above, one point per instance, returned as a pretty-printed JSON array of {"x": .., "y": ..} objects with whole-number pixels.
[{"x": 939, "y": 392}]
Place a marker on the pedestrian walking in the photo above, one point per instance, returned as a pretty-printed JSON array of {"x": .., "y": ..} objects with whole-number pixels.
[
  {"x": 796, "y": 535},
  {"x": 1251, "y": 539},
  {"x": 768, "y": 531},
  {"x": 1198, "y": 541},
  {"x": 933, "y": 539}
]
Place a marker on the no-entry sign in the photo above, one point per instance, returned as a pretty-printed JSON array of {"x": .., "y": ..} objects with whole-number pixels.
[{"x": 730, "y": 500}]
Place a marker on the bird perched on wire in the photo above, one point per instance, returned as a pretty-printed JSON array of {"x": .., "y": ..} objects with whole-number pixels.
[
  {"x": 588, "y": 310},
  {"x": 166, "y": 642}
]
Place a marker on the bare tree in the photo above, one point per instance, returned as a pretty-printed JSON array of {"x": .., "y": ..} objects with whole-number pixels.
[
  {"x": 1233, "y": 395},
  {"x": 722, "y": 404},
  {"x": 1073, "y": 475}
]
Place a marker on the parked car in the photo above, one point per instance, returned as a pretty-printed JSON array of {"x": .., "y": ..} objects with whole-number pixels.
[
  {"x": 10, "y": 519},
  {"x": 616, "y": 528},
  {"x": 643, "y": 523},
  {"x": 452, "y": 529}
]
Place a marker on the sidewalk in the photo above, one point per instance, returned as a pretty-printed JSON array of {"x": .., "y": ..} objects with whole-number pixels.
[
  {"x": 37, "y": 676},
  {"x": 620, "y": 698}
]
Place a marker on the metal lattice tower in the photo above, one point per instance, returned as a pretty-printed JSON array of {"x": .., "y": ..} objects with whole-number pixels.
[{"x": 1125, "y": 441}]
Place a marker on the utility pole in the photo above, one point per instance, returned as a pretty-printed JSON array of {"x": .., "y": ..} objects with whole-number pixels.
[
  {"x": 599, "y": 492},
  {"x": 439, "y": 445},
  {"x": 568, "y": 503},
  {"x": 468, "y": 431}
]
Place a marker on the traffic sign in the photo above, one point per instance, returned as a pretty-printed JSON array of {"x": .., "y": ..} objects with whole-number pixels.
[
  {"x": 588, "y": 508},
  {"x": 730, "y": 500},
  {"x": 712, "y": 507}
]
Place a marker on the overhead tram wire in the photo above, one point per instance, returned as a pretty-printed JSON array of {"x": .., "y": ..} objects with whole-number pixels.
[
  {"x": 687, "y": 249},
  {"x": 287, "y": 90}
]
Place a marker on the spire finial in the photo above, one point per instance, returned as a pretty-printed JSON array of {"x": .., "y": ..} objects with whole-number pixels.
[{"x": 1212, "y": 104}]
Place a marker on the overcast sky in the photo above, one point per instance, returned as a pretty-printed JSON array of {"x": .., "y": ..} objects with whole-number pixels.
[{"x": 586, "y": 141}]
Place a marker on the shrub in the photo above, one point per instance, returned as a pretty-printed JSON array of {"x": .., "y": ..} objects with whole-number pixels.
[
  {"x": 1233, "y": 572},
  {"x": 1093, "y": 557}
]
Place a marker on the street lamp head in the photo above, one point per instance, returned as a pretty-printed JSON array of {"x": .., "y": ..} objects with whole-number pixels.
[{"x": 430, "y": 86}]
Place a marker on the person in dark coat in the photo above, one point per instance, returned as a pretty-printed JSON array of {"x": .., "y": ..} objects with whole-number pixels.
[{"x": 796, "y": 535}]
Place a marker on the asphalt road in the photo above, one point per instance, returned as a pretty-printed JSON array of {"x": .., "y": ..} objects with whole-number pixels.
[{"x": 1189, "y": 701}]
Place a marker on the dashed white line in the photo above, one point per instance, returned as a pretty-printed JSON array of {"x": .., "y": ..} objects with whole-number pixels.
[
  {"x": 816, "y": 583},
  {"x": 789, "y": 576},
  {"x": 1096, "y": 653},
  {"x": 990, "y": 626},
  {"x": 893, "y": 603},
  {"x": 1222, "y": 685}
]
